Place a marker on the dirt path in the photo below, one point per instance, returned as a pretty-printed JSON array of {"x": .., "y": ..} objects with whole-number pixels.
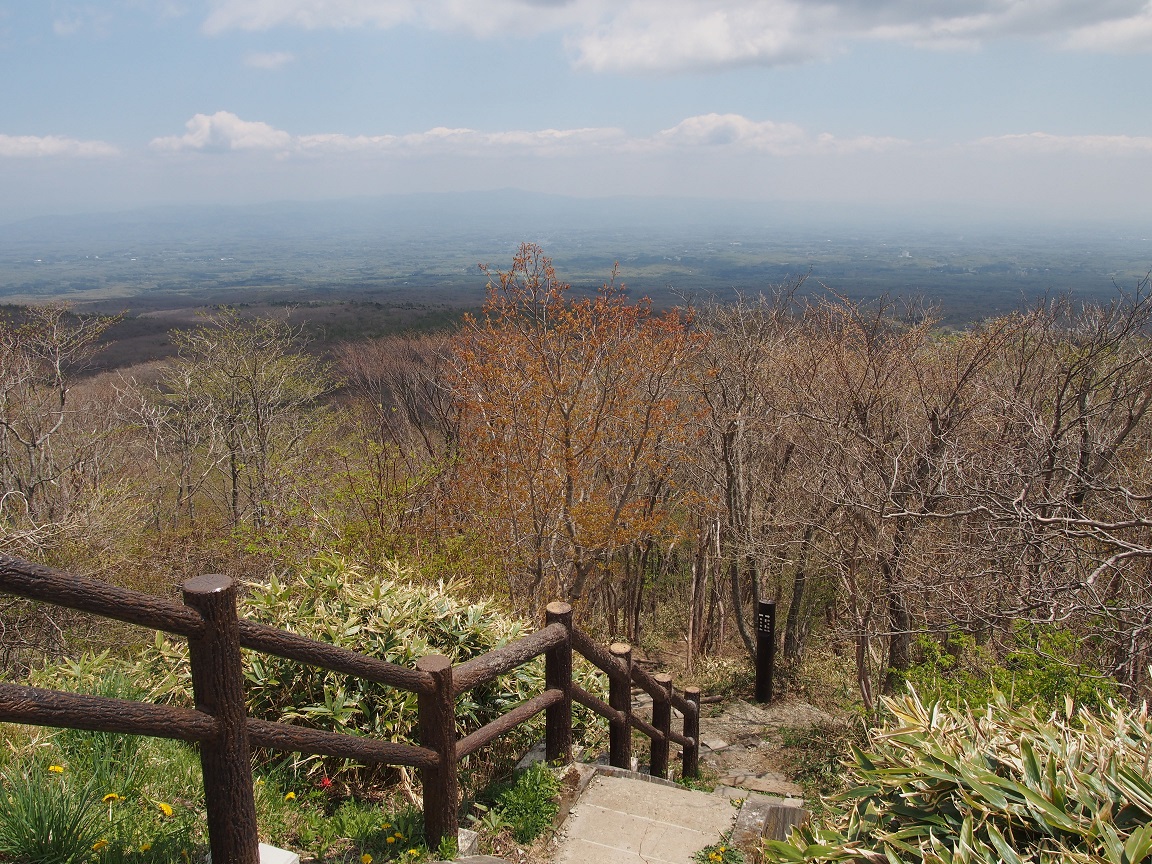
[{"x": 742, "y": 743}]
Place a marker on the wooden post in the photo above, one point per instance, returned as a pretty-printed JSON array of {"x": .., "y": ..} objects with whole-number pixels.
[
  {"x": 620, "y": 698},
  {"x": 558, "y": 676},
  {"x": 218, "y": 684},
  {"x": 662, "y": 720},
  {"x": 690, "y": 766},
  {"x": 438, "y": 732},
  {"x": 765, "y": 649}
]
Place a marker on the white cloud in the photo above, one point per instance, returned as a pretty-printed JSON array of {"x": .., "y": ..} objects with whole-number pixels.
[
  {"x": 676, "y": 34},
  {"x": 225, "y": 131},
  {"x": 705, "y": 133},
  {"x": 1130, "y": 34},
  {"x": 31, "y": 146},
  {"x": 720, "y": 130},
  {"x": 779, "y": 139},
  {"x": 270, "y": 60},
  {"x": 682, "y": 34},
  {"x": 1092, "y": 145}
]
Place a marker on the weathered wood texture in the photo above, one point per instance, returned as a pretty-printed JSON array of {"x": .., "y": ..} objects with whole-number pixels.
[
  {"x": 297, "y": 739},
  {"x": 38, "y": 707},
  {"x": 691, "y": 754},
  {"x": 292, "y": 646},
  {"x": 620, "y": 698},
  {"x": 438, "y": 733},
  {"x": 652, "y": 686},
  {"x": 781, "y": 818},
  {"x": 36, "y": 582},
  {"x": 594, "y": 703},
  {"x": 662, "y": 720},
  {"x": 218, "y": 685},
  {"x": 480, "y": 670},
  {"x": 641, "y": 725},
  {"x": 597, "y": 655},
  {"x": 215, "y": 635},
  {"x": 558, "y": 676},
  {"x": 505, "y": 723}
]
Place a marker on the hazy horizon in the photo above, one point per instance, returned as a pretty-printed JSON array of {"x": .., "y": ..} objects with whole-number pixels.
[{"x": 419, "y": 247}]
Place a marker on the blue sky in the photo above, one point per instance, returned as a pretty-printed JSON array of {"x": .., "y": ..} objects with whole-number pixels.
[{"x": 1027, "y": 107}]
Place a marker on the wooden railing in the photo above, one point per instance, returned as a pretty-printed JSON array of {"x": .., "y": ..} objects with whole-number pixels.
[{"x": 225, "y": 734}]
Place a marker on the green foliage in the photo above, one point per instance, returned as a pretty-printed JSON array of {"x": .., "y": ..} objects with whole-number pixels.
[
  {"x": 380, "y": 613},
  {"x": 69, "y": 803},
  {"x": 48, "y": 817},
  {"x": 1039, "y": 667},
  {"x": 297, "y": 812},
  {"x": 816, "y": 755},
  {"x": 945, "y": 785},
  {"x": 448, "y": 849},
  {"x": 524, "y": 806},
  {"x": 719, "y": 853}
]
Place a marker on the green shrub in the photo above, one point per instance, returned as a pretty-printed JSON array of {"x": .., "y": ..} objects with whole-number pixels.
[
  {"x": 1039, "y": 666},
  {"x": 530, "y": 803},
  {"x": 381, "y": 613},
  {"x": 945, "y": 785}
]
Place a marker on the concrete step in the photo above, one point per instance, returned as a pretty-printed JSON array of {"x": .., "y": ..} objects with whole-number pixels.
[{"x": 627, "y": 820}]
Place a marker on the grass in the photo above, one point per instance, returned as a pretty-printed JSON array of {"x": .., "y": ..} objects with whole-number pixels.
[
  {"x": 815, "y": 757},
  {"x": 76, "y": 797},
  {"x": 523, "y": 807}
]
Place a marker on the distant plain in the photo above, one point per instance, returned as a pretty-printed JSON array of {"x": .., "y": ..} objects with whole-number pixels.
[{"x": 368, "y": 267}]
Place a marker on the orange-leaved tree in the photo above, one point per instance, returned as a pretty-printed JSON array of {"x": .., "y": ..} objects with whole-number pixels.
[{"x": 573, "y": 412}]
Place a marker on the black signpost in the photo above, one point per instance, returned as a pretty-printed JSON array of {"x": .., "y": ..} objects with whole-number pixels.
[{"x": 765, "y": 649}]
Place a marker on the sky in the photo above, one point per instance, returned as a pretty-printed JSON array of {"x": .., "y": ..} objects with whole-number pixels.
[{"x": 1032, "y": 108}]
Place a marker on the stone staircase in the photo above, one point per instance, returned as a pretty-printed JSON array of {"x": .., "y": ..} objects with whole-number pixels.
[{"x": 627, "y": 817}]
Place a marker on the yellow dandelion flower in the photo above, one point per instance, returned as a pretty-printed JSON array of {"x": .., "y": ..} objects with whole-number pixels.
[
  {"x": 112, "y": 797},
  {"x": 56, "y": 769},
  {"x": 398, "y": 836},
  {"x": 166, "y": 809},
  {"x": 413, "y": 852},
  {"x": 391, "y": 839},
  {"x": 365, "y": 858},
  {"x": 144, "y": 847},
  {"x": 98, "y": 845},
  {"x": 386, "y": 825},
  {"x": 291, "y": 796}
]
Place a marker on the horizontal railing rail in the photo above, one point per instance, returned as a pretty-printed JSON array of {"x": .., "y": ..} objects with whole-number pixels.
[
  {"x": 219, "y": 723},
  {"x": 292, "y": 646},
  {"x": 36, "y": 706}
]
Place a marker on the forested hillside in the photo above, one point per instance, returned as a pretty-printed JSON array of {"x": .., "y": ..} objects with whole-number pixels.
[{"x": 910, "y": 495}]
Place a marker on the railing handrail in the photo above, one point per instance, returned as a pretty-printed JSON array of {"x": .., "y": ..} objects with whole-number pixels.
[{"x": 215, "y": 632}]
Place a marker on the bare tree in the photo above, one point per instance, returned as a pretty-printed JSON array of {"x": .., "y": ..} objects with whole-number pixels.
[{"x": 238, "y": 398}]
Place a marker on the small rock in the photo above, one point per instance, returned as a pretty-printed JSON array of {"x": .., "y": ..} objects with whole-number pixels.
[{"x": 770, "y": 783}]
